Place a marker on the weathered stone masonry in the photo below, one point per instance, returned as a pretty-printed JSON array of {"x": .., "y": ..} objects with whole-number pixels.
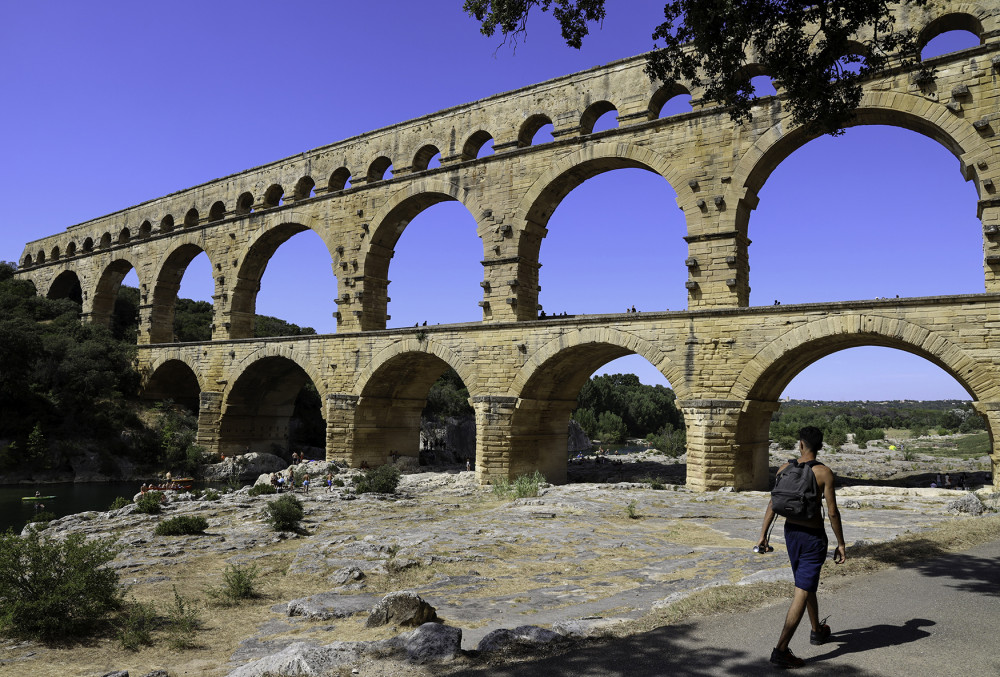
[{"x": 727, "y": 363}]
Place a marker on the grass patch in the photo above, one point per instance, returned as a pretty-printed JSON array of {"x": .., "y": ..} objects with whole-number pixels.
[
  {"x": 183, "y": 622},
  {"x": 136, "y": 624}
]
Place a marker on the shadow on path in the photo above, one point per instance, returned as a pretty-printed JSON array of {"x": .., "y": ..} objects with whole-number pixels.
[
  {"x": 876, "y": 637},
  {"x": 972, "y": 574},
  {"x": 675, "y": 650}
]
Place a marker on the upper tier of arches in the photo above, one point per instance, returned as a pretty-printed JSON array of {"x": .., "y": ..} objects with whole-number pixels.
[{"x": 571, "y": 103}]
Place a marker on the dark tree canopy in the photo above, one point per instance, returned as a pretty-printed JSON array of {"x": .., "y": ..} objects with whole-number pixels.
[{"x": 816, "y": 51}]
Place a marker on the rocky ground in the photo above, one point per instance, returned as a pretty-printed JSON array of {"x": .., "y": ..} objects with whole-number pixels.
[{"x": 572, "y": 561}]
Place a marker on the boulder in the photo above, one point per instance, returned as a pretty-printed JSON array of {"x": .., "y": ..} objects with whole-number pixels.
[
  {"x": 304, "y": 660},
  {"x": 401, "y": 608},
  {"x": 969, "y": 504},
  {"x": 246, "y": 467},
  {"x": 521, "y": 638},
  {"x": 430, "y": 642},
  {"x": 327, "y": 605},
  {"x": 347, "y": 575}
]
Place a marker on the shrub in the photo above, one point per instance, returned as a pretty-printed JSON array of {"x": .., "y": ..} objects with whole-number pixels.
[
  {"x": 337, "y": 482},
  {"x": 119, "y": 503},
  {"x": 258, "y": 489},
  {"x": 239, "y": 583},
  {"x": 150, "y": 503},
  {"x": 381, "y": 480},
  {"x": 284, "y": 513},
  {"x": 56, "y": 589},
  {"x": 43, "y": 517},
  {"x": 631, "y": 512},
  {"x": 211, "y": 495},
  {"x": 135, "y": 625},
  {"x": 181, "y": 526},
  {"x": 184, "y": 621},
  {"x": 523, "y": 486}
]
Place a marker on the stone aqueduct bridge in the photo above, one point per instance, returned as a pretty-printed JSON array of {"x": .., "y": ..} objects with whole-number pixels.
[{"x": 726, "y": 362}]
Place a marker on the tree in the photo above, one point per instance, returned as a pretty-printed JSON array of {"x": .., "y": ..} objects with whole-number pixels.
[{"x": 818, "y": 52}]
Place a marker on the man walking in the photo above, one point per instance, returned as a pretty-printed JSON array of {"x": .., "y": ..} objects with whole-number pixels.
[{"x": 807, "y": 543}]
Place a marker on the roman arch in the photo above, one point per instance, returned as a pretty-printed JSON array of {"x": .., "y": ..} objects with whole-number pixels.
[{"x": 726, "y": 361}]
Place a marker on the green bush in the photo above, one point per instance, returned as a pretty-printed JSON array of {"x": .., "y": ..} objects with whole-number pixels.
[
  {"x": 150, "y": 503},
  {"x": 211, "y": 495},
  {"x": 184, "y": 622},
  {"x": 523, "y": 486},
  {"x": 337, "y": 482},
  {"x": 43, "y": 517},
  {"x": 284, "y": 513},
  {"x": 258, "y": 489},
  {"x": 119, "y": 503},
  {"x": 181, "y": 525},
  {"x": 239, "y": 583},
  {"x": 53, "y": 589},
  {"x": 135, "y": 625},
  {"x": 381, "y": 480}
]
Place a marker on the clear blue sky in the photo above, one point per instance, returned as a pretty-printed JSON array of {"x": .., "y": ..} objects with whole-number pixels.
[{"x": 108, "y": 104}]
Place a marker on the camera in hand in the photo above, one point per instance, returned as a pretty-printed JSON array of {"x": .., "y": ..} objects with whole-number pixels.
[{"x": 763, "y": 548}]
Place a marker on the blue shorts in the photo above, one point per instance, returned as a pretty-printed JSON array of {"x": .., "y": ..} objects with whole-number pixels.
[{"x": 807, "y": 547}]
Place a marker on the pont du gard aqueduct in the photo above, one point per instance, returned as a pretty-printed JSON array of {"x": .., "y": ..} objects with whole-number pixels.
[{"x": 728, "y": 363}]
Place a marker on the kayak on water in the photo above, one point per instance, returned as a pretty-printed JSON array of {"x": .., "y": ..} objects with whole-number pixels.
[{"x": 36, "y": 498}]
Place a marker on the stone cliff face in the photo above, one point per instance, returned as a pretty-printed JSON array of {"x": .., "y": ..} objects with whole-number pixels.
[{"x": 578, "y": 440}]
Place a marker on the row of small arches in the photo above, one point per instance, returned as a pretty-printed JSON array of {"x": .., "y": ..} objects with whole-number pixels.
[
  {"x": 427, "y": 157},
  {"x": 477, "y": 145}
]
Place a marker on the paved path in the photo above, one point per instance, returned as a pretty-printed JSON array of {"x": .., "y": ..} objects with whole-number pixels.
[{"x": 938, "y": 617}]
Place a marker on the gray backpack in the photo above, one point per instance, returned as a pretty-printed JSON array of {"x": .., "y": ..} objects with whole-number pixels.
[{"x": 796, "y": 493}]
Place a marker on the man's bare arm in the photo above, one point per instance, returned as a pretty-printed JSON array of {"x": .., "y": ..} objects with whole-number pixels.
[{"x": 825, "y": 478}]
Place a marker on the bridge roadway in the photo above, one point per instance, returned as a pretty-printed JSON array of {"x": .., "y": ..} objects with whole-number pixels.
[{"x": 727, "y": 367}]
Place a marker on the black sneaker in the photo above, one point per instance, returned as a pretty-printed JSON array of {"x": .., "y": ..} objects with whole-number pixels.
[
  {"x": 820, "y": 636},
  {"x": 786, "y": 659}
]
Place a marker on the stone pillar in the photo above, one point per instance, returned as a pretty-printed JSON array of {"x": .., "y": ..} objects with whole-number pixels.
[
  {"x": 752, "y": 451},
  {"x": 209, "y": 419},
  {"x": 711, "y": 443},
  {"x": 988, "y": 210},
  {"x": 540, "y": 438},
  {"x": 493, "y": 436},
  {"x": 145, "y": 333},
  {"x": 510, "y": 263},
  {"x": 339, "y": 411},
  {"x": 991, "y": 412}
]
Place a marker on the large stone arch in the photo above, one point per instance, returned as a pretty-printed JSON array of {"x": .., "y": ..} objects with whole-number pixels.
[
  {"x": 102, "y": 297},
  {"x": 917, "y": 114},
  {"x": 911, "y": 112},
  {"x": 546, "y": 390},
  {"x": 296, "y": 352},
  {"x": 411, "y": 346},
  {"x": 66, "y": 285},
  {"x": 764, "y": 377},
  {"x": 259, "y": 400},
  {"x": 538, "y": 203},
  {"x": 271, "y": 231},
  {"x": 167, "y": 275},
  {"x": 173, "y": 377},
  {"x": 391, "y": 393},
  {"x": 387, "y": 226},
  {"x": 614, "y": 340}
]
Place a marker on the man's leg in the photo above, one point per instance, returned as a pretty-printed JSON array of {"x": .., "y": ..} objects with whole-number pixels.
[
  {"x": 812, "y": 606},
  {"x": 792, "y": 618}
]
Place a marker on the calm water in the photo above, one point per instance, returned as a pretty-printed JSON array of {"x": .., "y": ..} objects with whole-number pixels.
[{"x": 69, "y": 498}]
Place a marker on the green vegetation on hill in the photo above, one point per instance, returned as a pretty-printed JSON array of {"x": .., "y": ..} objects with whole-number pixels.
[{"x": 869, "y": 420}]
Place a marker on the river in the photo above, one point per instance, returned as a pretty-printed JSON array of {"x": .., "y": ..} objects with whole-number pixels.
[{"x": 70, "y": 497}]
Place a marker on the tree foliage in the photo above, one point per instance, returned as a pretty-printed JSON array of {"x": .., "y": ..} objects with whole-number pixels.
[
  {"x": 817, "y": 52},
  {"x": 448, "y": 397},
  {"x": 641, "y": 409},
  {"x": 52, "y": 589}
]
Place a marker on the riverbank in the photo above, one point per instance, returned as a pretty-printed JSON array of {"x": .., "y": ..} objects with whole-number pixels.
[{"x": 577, "y": 559}]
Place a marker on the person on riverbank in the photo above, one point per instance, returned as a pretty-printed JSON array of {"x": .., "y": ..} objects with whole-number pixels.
[
  {"x": 305, "y": 483},
  {"x": 806, "y": 542}
]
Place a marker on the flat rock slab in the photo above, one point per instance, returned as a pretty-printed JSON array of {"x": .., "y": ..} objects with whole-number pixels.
[{"x": 327, "y": 605}]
